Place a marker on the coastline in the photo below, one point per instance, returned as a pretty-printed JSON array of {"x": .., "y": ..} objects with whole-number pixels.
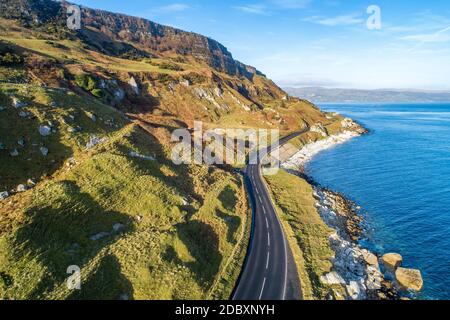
[{"x": 354, "y": 268}]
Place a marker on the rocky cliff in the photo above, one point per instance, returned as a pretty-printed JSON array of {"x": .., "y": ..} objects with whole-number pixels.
[{"x": 119, "y": 34}]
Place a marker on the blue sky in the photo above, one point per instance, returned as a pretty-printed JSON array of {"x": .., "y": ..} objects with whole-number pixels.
[{"x": 318, "y": 42}]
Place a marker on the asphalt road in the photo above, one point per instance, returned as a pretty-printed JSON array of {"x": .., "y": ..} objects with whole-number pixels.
[{"x": 269, "y": 271}]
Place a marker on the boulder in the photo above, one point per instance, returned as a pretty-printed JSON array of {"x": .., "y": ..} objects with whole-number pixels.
[
  {"x": 18, "y": 104},
  {"x": 392, "y": 260},
  {"x": 332, "y": 278},
  {"x": 23, "y": 114},
  {"x": 31, "y": 182},
  {"x": 94, "y": 140},
  {"x": 118, "y": 227},
  {"x": 44, "y": 151},
  {"x": 99, "y": 236},
  {"x": 370, "y": 259},
  {"x": 133, "y": 84},
  {"x": 21, "y": 143},
  {"x": 14, "y": 153},
  {"x": 21, "y": 188},
  {"x": 141, "y": 156},
  {"x": 2, "y": 146},
  {"x": 354, "y": 290},
  {"x": 4, "y": 195},
  {"x": 409, "y": 279},
  {"x": 45, "y": 131}
]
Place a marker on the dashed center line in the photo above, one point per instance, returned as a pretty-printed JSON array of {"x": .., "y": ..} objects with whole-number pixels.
[
  {"x": 268, "y": 239},
  {"x": 262, "y": 289},
  {"x": 267, "y": 223},
  {"x": 268, "y": 259},
  {"x": 264, "y": 209}
]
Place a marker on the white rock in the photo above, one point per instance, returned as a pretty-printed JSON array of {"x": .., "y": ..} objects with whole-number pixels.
[
  {"x": 14, "y": 153},
  {"x": 21, "y": 188},
  {"x": 4, "y": 195},
  {"x": 21, "y": 143},
  {"x": 353, "y": 290},
  {"x": 118, "y": 227},
  {"x": 45, "y": 131},
  {"x": 99, "y": 236},
  {"x": 332, "y": 278},
  {"x": 132, "y": 82},
  {"x": 18, "y": 104},
  {"x": 140, "y": 156},
  {"x": 94, "y": 140},
  {"x": 44, "y": 151}
]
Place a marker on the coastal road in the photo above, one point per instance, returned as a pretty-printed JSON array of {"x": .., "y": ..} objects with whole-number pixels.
[{"x": 269, "y": 271}]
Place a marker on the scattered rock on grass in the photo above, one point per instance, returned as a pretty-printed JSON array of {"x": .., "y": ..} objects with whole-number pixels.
[
  {"x": 94, "y": 140},
  {"x": 140, "y": 156},
  {"x": 44, "y": 151},
  {"x": 4, "y": 195},
  {"x": 99, "y": 236},
  {"x": 21, "y": 188},
  {"x": 45, "y": 131},
  {"x": 118, "y": 227},
  {"x": 18, "y": 104},
  {"x": 23, "y": 114}
]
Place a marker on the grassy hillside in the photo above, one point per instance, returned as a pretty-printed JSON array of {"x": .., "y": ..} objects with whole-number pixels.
[
  {"x": 162, "y": 213},
  {"x": 85, "y": 159}
]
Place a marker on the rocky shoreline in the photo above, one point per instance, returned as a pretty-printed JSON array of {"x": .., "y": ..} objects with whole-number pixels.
[{"x": 355, "y": 269}]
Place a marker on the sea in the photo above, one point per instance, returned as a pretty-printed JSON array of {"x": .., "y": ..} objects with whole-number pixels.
[{"x": 399, "y": 174}]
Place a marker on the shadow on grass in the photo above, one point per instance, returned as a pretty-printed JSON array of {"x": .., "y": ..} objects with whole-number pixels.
[
  {"x": 203, "y": 244},
  {"x": 58, "y": 233},
  {"x": 106, "y": 283}
]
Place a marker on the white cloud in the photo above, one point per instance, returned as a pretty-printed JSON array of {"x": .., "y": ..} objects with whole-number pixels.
[
  {"x": 344, "y": 20},
  {"x": 174, "y": 7},
  {"x": 253, "y": 9},
  {"x": 440, "y": 36},
  {"x": 292, "y": 4}
]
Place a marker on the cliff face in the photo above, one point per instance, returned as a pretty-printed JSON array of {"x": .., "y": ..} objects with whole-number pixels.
[{"x": 118, "y": 34}]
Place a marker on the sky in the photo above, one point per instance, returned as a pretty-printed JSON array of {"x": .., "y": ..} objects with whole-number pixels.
[{"x": 329, "y": 43}]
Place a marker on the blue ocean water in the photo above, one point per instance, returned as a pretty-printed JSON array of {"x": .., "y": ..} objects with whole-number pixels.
[{"x": 400, "y": 175}]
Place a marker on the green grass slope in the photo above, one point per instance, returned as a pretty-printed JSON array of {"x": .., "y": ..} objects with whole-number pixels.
[{"x": 180, "y": 231}]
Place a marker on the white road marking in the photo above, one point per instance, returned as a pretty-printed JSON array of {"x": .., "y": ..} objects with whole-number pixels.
[
  {"x": 264, "y": 209},
  {"x": 268, "y": 239},
  {"x": 268, "y": 259},
  {"x": 262, "y": 289},
  {"x": 267, "y": 223},
  {"x": 260, "y": 199}
]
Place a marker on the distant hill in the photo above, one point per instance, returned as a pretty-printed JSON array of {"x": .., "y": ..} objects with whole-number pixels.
[{"x": 319, "y": 94}]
